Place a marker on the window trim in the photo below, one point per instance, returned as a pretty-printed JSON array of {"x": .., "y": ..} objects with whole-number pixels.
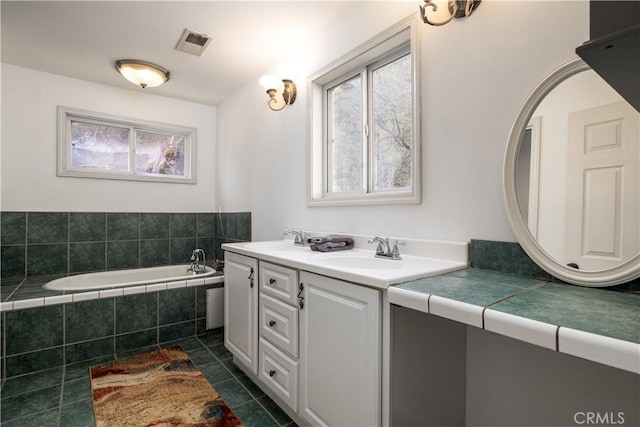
[
  {"x": 66, "y": 115},
  {"x": 377, "y": 49}
]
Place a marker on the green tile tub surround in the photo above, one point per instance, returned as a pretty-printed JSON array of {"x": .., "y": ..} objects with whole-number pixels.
[
  {"x": 87, "y": 227},
  {"x": 599, "y": 311},
  {"x": 89, "y": 320},
  {"x": 155, "y": 253},
  {"x": 183, "y": 225},
  {"x": 206, "y": 225},
  {"x": 48, "y": 227},
  {"x": 14, "y": 228},
  {"x": 155, "y": 225},
  {"x": 181, "y": 250},
  {"x": 123, "y": 254},
  {"x": 136, "y": 312},
  {"x": 473, "y": 286},
  {"x": 43, "y": 327},
  {"x": 13, "y": 260},
  {"x": 50, "y": 336},
  {"x": 176, "y": 305},
  {"x": 87, "y": 256},
  {"x": 47, "y": 259},
  {"x": 87, "y": 350},
  {"x": 123, "y": 226},
  {"x": 505, "y": 257},
  {"x": 69, "y": 242}
]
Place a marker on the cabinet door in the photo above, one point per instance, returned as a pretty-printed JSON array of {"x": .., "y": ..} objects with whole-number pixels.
[
  {"x": 241, "y": 308},
  {"x": 340, "y": 354}
]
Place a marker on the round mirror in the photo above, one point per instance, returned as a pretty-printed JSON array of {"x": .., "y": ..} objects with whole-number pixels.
[{"x": 571, "y": 179}]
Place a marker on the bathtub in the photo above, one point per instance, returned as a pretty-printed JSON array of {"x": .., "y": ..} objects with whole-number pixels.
[{"x": 123, "y": 278}]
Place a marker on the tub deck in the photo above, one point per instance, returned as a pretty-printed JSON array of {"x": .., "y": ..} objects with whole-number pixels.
[{"x": 24, "y": 292}]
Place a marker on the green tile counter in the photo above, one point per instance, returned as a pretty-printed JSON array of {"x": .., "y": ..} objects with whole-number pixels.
[{"x": 597, "y": 324}]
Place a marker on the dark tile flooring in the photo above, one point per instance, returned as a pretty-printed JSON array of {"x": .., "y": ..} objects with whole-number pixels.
[{"x": 61, "y": 397}]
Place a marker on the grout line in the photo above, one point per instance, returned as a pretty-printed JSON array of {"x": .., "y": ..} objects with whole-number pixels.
[
  {"x": 64, "y": 336},
  {"x": 114, "y": 326},
  {"x": 522, "y": 291},
  {"x": 3, "y": 368},
  {"x": 61, "y": 400},
  {"x": 139, "y": 242},
  {"x": 106, "y": 246},
  {"x": 68, "y": 242},
  {"x": 26, "y": 243}
]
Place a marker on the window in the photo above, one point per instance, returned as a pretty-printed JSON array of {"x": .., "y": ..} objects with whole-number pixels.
[
  {"x": 365, "y": 128},
  {"x": 93, "y": 145}
]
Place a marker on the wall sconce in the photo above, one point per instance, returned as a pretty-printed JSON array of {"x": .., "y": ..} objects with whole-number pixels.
[
  {"x": 141, "y": 73},
  {"x": 457, "y": 9},
  {"x": 272, "y": 84}
]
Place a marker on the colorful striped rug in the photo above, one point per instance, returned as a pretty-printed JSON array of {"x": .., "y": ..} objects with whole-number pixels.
[{"x": 159, "y": 388}]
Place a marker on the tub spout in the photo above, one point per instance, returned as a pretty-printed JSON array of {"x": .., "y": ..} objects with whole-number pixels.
[{"x": 195, "y": 266}]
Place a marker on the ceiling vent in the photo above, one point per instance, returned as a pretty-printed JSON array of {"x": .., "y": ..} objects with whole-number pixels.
[{"x": 193, "y": 42}]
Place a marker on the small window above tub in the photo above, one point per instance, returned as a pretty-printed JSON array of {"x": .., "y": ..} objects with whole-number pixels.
[{"x": 96, "y": 145}]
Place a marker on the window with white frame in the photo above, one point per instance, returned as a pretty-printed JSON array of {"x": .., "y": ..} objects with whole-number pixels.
[
  {"x": 365, "y": 139},
  {"x": 95, "y": 145}
]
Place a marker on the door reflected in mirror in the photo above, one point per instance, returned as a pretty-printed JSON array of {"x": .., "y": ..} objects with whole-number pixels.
[{"x": 578, "y": 175}]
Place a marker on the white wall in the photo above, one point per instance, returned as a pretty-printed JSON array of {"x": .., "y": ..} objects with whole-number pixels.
[
  {"x": 476, "y": 73},
  {"x": 29, "y": 181}
]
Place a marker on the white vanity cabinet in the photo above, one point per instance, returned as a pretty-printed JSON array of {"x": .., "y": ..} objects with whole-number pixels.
[
  {"x": 312, "y": 341},
  {"x": 241, "y": 308},
  {"x": 278, "y": 330},
  {"x": 340, "y": 353}
]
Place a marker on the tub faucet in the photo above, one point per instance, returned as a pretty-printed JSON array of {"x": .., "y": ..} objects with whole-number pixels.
[
  {"x": 301, "y": 237},
  {"x": 385, "y": 250},
  {"x": 195, "y": 267}
]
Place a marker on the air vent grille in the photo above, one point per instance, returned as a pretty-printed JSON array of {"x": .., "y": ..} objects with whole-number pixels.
[{"x": 193, "y": 42}]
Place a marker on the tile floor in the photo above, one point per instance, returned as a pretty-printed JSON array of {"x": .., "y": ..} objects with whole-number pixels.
[{"x": 61, "y": 397}]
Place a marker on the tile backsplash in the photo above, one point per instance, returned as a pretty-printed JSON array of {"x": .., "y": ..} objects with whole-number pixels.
[{"x": 38, "y": 243}]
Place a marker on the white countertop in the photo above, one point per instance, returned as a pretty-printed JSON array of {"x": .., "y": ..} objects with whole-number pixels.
[{"x": 360, "y": 265}]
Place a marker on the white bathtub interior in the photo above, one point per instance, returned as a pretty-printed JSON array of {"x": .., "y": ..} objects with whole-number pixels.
[{"x": 124, "y": 278}]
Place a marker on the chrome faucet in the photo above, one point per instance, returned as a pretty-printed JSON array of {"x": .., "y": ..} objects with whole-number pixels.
[
  {"x": 300, "y": 239},
  {"x": 385, "y": 250},
  {"x": 195, "y": 267}
]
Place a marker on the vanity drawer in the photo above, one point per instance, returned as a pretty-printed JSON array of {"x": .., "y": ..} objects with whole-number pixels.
[
  {"x": 279, "y": 373},
  {"x": 279, "y": 282},
  {"x": 279, "y": 324}
]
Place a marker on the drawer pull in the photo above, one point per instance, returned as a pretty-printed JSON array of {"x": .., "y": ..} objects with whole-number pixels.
[
  {"x": 272, "y": 281},
  {"x": 272, "y": 373},
  {"x": 272, "y": 323}
]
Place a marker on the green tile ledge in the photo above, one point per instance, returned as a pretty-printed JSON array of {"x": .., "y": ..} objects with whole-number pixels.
[
  {"x": 27, "y": 292},
  {"x": 596, "y": 324}
]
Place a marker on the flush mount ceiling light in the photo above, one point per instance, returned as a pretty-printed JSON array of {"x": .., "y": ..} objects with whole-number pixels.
[
  {"x": 273, "y": 85},
  {"x": 457, "y": 9},
  {"x": 141, "y": 73}
]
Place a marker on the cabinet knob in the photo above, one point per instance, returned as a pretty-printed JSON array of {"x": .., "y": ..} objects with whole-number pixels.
[
  {"x": 272, "y": 281},
  {"x": 272, "y": 373},
  {"x": 272, "y": 323}
]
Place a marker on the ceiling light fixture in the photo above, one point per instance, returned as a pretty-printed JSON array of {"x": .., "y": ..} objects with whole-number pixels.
[
  {"x": 141, "y": 73},
  {"x": 273, "y": 84},
  {"x": 457, "y": 9}
]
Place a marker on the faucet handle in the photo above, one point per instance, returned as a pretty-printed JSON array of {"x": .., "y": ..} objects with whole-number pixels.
[{"x": 395, "y": 252}]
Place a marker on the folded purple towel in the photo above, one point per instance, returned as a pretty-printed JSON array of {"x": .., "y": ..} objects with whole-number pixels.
[{"x": 331, "y": 243}]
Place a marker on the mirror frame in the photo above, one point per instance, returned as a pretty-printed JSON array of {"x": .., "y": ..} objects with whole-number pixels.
[{"x": 623, "y": 273}]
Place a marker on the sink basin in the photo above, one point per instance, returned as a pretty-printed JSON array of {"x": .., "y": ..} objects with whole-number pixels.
[{"x": 360, "y": 262}]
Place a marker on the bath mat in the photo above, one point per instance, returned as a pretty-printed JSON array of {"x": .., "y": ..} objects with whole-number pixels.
[{"x": 159, "y": 388}]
